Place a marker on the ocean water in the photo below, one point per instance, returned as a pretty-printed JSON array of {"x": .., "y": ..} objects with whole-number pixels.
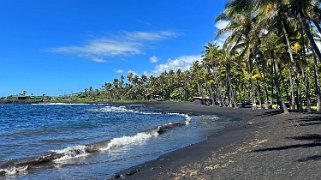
[{"x": 85, "y": 141}]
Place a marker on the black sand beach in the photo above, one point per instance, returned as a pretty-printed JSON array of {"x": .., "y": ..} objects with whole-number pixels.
[{"x": 262, "y": 144}]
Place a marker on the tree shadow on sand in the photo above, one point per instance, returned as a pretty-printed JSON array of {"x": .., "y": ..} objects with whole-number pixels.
[
  {"x": 310, "y": 158},
  {"x": 271, "y": 113},
  {"x": 308, "y": 121},
  {"x": 315, "y": 141}
]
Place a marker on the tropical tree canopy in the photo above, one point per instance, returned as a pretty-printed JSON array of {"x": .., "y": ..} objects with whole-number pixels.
[{"x": 270, "y": 59}]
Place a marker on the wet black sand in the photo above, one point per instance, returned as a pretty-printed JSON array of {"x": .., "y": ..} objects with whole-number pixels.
[
  {"x": 256, "y": 145},
  {"x": 238, "y": 130}
]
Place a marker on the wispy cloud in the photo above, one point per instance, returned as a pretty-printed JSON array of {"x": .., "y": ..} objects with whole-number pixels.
[
  {"x": 121, "y": 44},
  {"x": 183, "y": 63},
  {"x": 99, "y": 60},
  {"x": 153, "y": 59},
  {"x": 119, "y": 71},
  {"x": 150, "y": 36},
  {"x": 221, "y": 39}
]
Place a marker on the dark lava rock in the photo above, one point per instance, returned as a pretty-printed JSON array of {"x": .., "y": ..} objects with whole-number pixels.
[{"x": 132, "y": 172}]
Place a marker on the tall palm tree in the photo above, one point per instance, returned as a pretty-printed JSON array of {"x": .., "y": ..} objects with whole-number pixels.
[
  {"x": 317, "y": 83},
  {"x": 243, "y": 38},
  {"x": 299, "y": 9}
]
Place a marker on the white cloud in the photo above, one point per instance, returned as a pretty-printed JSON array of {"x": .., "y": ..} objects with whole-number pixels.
[
  {"x": 221, "y": 24},
  {"x": 119, "y": 71},
  {"x": 221, "y": 39},
  {"x": 153, "y": 59},
  {"x": 99, "y": 60},
  {"x": 183, "y": 63},
  {"x": 150, "y": 36},
  {"x": 146, "y": 73},
  {"x": 123, "y": 44}
]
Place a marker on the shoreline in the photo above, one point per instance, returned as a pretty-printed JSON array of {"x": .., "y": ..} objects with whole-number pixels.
[
  {"x": 263, "y": 144},
  {"x": 237, "y": 130}
]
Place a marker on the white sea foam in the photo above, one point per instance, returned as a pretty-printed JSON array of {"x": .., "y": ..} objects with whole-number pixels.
[
  {"x": 121, "y": 109},
  {"x": 71, "y": 152},
  {"x": 149, "y": 113},
  {"x": 80, "y": 150},
  {"x": 139, "y": 138},
  {"x": 60, "y": 104},
  {"x": 113, "y": 109},
  {"x": 14, "y": 170},
  {"x": 187, "y": 117},
  {"x": 70, "y": 149}
]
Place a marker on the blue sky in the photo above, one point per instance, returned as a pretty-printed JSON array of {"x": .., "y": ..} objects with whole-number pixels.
[{"x": 58, "y": 47}]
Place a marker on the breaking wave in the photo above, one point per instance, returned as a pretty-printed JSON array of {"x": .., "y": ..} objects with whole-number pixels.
[
  {"x": 60, "y": 104},
  {"x": 120, "y": 109},
  {"x": 57, "y": 157}
]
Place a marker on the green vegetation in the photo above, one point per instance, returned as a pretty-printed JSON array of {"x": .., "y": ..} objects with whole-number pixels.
[
  {"x": 24, "y": 98},
  {"x": 270, "y": 56},
  {"x": 273, "y": 46}
]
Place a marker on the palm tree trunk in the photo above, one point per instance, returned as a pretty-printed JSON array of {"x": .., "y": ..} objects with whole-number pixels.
[
  {"x": 259, "y": 98},
  {"x": 201, "y": 92},
  {"x": 231, "y": 101},
  {"x": 272, "y": 86},
  {"x": 306, "y": 74},
  {"x": 254, "y": 105},
  {"x": 292, "y": 90},
  {"x": 213, "y": 95},
  {"x": 309, "y": 34},
  {"x": 317, "y": 83},
  {"x": 299, "y": 105},
  {"x": 252, "y": 86},
  {"x": 265, "y": 92},
  {"x": 262, "y": 75},
  {"x": 219, "y": 94},
  {"x": 277, "y": 86},
  {"x": 233, "y": 98},
  {"x": 229, "y": 87}
]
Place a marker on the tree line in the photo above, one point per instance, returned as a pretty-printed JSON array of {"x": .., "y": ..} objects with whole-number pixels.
[{"x": 271, "y": 55}]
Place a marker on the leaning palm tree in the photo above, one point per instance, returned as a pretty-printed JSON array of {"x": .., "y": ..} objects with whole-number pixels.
[
  {"x": 276, "y": 18},
  {"x": 297, "y": 9},
  {"x": 316, "y": 82},
  {"x": 243, "y": 39}
]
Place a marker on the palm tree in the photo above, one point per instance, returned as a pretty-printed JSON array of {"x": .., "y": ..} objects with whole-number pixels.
[
  {"x": 245, "y": 35},
  {"x": 276, "y": 17},
  {"x": 301, "y": 9},
  {"x": 243, "y": 38},
  {"x": 306, "y": 74},
  {"x": 298, "y": 9},
  {"x": 130, "y": 77},
  {"x": 317, "y": 83},
  {"x": 197, "y": 73},
  {"x": 212, "y": 58}
]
